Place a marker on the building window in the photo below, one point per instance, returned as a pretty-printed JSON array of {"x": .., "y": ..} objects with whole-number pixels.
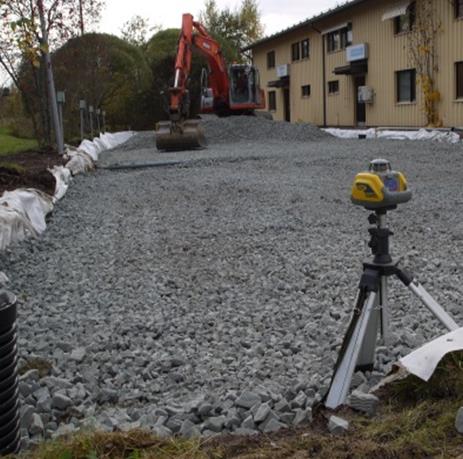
[
  {"x": 333, "y": 87},
  {"x": 459, "y": 8},
  {"x": 305, "y": 48},
  {"x": 406, "y": 86},
  {"x": 405, "y": 22},
  {"x": 271, "y": 60},
  {"x": 272, "y": 100},
  {"x": 339, "y": 39},
  {"x": 295, "y": 51},
  {"x": 459, "y": 78},
  {"x": 305, "y": 90}
]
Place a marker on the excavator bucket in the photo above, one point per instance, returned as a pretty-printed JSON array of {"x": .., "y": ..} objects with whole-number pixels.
[{"x": 185, "y": 135}]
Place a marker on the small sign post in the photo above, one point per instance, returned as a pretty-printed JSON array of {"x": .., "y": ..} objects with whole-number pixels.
[
  {"x": 98, "y": 124},
  {"x": 61, "y": 99},
  {"x": 90, "y": 117},
  {"x": 103, "y": 116},
  {"x": 82, "y": 107}
]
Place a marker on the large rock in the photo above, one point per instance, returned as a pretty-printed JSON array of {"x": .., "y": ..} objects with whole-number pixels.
[
  {"x": 337, "y": 425},
  {"x": 248, "y": 399},
  {"x": 366, "y": 403},
  {"x": 262, "y": 413},
  {"x": 61, "y": 402}
]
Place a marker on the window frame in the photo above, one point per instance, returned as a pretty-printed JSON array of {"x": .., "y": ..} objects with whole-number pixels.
[
  {"x": 412, "y": 75},
  {"x": 271, "y": 60},
  {"x": 340, "y": 39},
  {"x": 459, "y": 80},
  {"x": 296, "y": 56},
  {"x": 272, "y": 101},
  {"x": 335, "y": 84},
  {"x": 305, "y": 48},
  {"x": 309, "y": 92},
  {"x": 409, "y": 16}
]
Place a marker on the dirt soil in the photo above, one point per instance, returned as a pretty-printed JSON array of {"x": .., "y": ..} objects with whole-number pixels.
[{"x": 29, "y": 170}]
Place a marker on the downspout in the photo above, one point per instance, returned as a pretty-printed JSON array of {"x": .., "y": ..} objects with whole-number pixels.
[{"x": 324, "y": 73}]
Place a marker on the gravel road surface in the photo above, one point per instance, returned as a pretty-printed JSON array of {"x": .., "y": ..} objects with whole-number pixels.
[{"x": 159, "y": 295}]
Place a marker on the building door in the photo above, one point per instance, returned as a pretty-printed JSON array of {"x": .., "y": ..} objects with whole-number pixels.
[
  {"x": 286, "y": 105},
  {"x": 360, "y": 107}
]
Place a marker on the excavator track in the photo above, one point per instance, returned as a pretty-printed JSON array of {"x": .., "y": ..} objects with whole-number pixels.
[{"x": 185, "y": 135}]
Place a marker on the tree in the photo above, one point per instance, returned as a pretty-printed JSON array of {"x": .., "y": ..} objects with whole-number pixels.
[
  {"x": 108, "y": 73},
  {"x": 136, "y": 30},
  {"x": 23, "y": 44},
  {"x": 233, "y": 28},
  {"x": 422, "y": 42}
]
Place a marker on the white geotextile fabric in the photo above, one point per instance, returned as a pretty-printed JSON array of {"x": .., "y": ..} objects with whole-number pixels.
[
  {"x": 422, "y": 134},
  {"x": 79, "y": 161},
  {"x": 23, "y": 211},
  {"x": 104, "y": 142},
  {"x": 63, "y": 179},
  {"x": 423, "y": 362},
  {"x": 22, "y": 214}
]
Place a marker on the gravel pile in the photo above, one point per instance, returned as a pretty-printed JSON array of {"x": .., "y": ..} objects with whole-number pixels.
[
  {"x": 214, "y": 297},
  {"x": 238, "y": 128}
]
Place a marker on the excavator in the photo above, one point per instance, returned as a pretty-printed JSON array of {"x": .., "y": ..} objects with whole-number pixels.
[{"x": 225, "y": 90}]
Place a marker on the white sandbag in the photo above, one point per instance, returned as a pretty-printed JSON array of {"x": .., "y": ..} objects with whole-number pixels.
[{"x": 63, "y": 179}]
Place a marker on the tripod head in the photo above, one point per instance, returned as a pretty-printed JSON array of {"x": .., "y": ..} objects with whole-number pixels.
[{"x": 380, "y": 188}]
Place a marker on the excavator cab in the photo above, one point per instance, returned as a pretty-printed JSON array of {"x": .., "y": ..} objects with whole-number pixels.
[
  {"x": 245, "y": 91},
  {"x": 207, "y": 94}
]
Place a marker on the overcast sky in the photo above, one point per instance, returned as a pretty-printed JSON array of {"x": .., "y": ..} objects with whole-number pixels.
[{"x": 276, "y": 14}]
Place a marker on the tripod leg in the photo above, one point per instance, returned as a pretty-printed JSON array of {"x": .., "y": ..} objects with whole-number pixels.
[
  {"x": 427, "y": 300},
  {"x": 349, "y": 354},
  {"x": 385, "y": 313},
  {"x": 366, "y": 358}
]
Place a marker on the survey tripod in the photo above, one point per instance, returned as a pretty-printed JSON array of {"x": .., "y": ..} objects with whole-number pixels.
[{"x": 371, "y": 313}]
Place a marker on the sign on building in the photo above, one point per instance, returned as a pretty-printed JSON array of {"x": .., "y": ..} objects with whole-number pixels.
[
  {"x": 357, "y": 52},
  {"x": 283, "y": 71}
]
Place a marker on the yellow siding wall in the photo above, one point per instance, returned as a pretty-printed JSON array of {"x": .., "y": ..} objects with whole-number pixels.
[{"x": 388, "y": 53}]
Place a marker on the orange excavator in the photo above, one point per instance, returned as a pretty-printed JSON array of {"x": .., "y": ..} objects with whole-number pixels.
[{"x": 225, "y": 90}]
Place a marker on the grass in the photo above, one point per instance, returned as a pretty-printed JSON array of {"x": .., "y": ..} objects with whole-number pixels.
[
  {"x": 10, "y": 144},
  {"x": 416, "y": 420}
]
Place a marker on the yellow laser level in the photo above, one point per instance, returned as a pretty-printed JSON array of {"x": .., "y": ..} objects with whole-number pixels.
[{"x": 380, "y": 187}]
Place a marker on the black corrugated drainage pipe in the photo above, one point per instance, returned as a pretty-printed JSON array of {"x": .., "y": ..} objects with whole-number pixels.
[{"x": 10, "y": 435}]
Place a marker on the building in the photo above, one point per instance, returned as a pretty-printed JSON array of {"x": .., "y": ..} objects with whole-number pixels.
[{"x": 354, "y": 65}]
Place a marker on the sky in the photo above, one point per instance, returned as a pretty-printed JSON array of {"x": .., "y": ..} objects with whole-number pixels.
[{"x": 276, "y": 14}]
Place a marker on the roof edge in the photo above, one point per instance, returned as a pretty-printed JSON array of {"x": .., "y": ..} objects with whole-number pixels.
[{"x": 306, "y": 22}]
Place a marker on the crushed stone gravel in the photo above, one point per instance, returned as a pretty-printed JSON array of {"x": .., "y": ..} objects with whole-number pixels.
[{"x": 213, "y": 297}]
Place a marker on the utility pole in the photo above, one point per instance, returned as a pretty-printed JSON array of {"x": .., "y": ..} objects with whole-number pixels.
[{"x": 50, "y": 80}]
